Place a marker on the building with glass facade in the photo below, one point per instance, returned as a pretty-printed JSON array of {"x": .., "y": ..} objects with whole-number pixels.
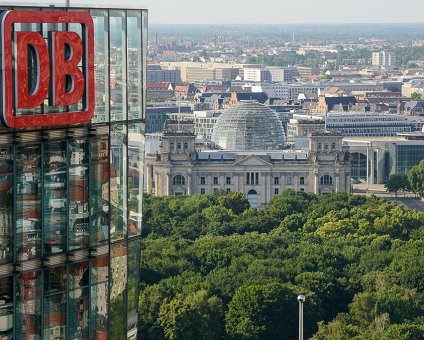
[
  {"x": 374, "y": 159},
  {"x": 70, "y": 198}
]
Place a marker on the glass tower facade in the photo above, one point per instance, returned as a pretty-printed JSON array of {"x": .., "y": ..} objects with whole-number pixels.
[{"x": 71, "y": 199}]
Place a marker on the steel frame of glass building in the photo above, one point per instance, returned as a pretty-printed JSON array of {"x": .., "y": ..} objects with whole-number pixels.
[{"x": 71, "y": 199}]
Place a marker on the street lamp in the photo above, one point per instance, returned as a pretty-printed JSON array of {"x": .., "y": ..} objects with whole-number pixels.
[{"x": 301, "y": 299}]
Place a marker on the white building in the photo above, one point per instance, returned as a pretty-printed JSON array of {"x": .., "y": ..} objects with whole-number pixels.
[
  {"x": 257, "y": 75},
  {"x": 368, "y": 124},
  {"x": 383, "y": 58},
  {"x": 289, "y": 91}
]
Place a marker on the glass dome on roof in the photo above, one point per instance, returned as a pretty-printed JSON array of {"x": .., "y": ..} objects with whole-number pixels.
[{"x": 249, "y": 125}]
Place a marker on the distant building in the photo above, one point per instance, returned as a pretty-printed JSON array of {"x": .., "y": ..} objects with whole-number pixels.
[
  {"x": 327, "y": 104},
  {"x": 260, "y": 174},
  {"x": 156, "y": 116},
  {"x": 304, "y": 126},
  {"x": 160, "y": 91},
  {"x": 257, "y": 75},
  {"x": 194, "y": 72},
  {"x": 155, "y": 74},
  {"x": 383, "y": 58},
  {"x": 385, "y": 156},
  {"x": 288, "y": 91},
  {"x": 282, "y": 74},
  {"x": 368, "y": 124}
]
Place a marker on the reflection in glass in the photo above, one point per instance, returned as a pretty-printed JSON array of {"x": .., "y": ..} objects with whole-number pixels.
[
  {"x": 78, "y": 194},
  {"x": 135, "y": 60},
  {"x": 28, "y": 197},
  {"x": 78, "y": 302},
  {"x": 99, "y": 190},
  {"x": 101, "y": 29},
  {"x": 133, "y": 278},
  {"x": 99, "y": 311},
  {"x": 99, "y": 303},
  {"x": 118, "y": 182},
  {"x": 54, "y": 312},
  {"x": 117, "y": 57},
  {"x": 6, "y": 203},
  {"x": 28, "y": 306},
  {"x": 135, "y": 177},
  {"x": 6, "y": 308},
  {"x": 118, "y": 288},
  {"x": 55, "y": 197}
]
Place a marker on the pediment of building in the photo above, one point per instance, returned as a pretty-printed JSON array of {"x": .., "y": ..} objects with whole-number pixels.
[{"x": 252, "y": 161}]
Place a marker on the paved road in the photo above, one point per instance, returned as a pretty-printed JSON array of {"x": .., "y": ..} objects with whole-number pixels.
[{"x": 410, "y": 203}]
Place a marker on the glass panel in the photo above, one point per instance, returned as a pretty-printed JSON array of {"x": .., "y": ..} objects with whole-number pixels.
[
  {"x": 136, "y": 144},
  {"x": 6, "y": 308},
  {"x": 54, "y": 311},
  {"x": 134, "y": 249},
  {"x": 135, "y": 60},
  {"x": 100, "y": 269},
  {"x": 55, "y": 317},
  {"x": 118, "y": 182},
  {"x": 78, "y": 194},
  {"x": 99, "y": 191},
  {"x": 28, "y": 306},
  {"x": 99, "y": 303},
  {"x": 144, "y": 46},
  {"x": 118, "y": 67},
  {"x": 78, "y": 275},
  {"x": 118, "y": 289},
  {"x": 28, "y": 198},
  {"x": 78, "y": 314},
  {"x": 101, "y": 56},
  {"x": 6, "y": 203},
  {"x": 99, "y": 311},
  {"x": 55, "y": 197}
]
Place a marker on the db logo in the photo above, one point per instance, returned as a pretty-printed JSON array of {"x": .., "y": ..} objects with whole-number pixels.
[{"x": 56, "y": 69}]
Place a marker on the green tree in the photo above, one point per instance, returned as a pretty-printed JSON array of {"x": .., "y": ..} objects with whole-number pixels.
[
  {"x": 405, "y": 331},
  {"x": 416, "y": 96},
  {"x": 396, "y": 183},
  {"x": 196, "y": 316},
  {"x": 235, "y": 201},
  {"x": 416, "y": 178},
  {"x": 262, "y": 312}
]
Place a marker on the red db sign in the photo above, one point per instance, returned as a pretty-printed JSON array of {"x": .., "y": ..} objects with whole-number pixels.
[{"x": 56, "y": 69}]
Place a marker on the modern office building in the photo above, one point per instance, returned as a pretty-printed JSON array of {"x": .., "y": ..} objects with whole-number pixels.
[
  {"x": 368, "y": 124},
  {"x": 71, "y": 171},
  {"x": 155, "y": 74},
  {"x": 385, "y": 156},
  {"x": 384, "y": 58}
]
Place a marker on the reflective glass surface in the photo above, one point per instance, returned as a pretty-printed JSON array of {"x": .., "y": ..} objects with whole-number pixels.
[
  {"x": 249, "y": 125},
  {"x": 118, "y": 182},
  {"x": 118, "y": 290},
  {"x": 28, "y": 305},
  {"x": 118, "y": 65},
  {"x": 78, "y": 231},
  {"x": 135, "y": 60},
  {"x": 6, "y": 203},
  {"x": 101, "y": 46},
  {"x": 99, "y": 190},
  {"x": 55, "y": 203},
  {"x": 6, "y": 308},
  {"x": 135, "y": 177},
  {"x": 28, "y": 201}
]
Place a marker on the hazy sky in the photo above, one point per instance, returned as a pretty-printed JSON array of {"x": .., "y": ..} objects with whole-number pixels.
[
  {"x": 268, "y": 11},
  {"x": 284, "y": 11}
]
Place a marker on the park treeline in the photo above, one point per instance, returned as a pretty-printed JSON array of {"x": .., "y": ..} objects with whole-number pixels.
[{"x": 213, "y": 268}]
